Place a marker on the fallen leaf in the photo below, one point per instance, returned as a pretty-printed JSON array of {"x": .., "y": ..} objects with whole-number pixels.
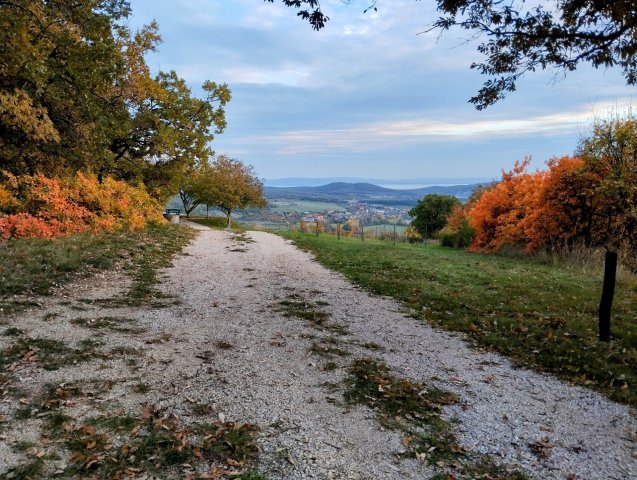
[
  {"x": 77, "y": 457},
  {"x": 148, "y": 412},
  {"x": 86, "y": 429}
]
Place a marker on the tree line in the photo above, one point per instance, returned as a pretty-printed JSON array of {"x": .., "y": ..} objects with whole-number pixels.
[{"x": 77, "y": 95}]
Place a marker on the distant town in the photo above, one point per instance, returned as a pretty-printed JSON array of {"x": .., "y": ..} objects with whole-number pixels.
[{"x": 338, "y": 203}]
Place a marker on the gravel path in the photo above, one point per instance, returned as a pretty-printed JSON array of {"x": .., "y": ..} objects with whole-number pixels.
[
  {"x": 229, "y": 345},
  {"x": 230, "y": 292}
]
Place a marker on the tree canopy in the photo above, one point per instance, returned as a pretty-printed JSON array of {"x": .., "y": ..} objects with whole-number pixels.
[
  {"x": 523, "y": 38},
  {"x": 431, "y": 212},
  {"x": 226, "y": 184},
  {"x": 76, "y": 94}
]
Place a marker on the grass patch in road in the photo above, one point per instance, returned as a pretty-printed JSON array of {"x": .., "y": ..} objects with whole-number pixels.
[
  {"x": 35, "y": 267},
  {"x": 542, "y": 315},
  {"x": 328, "y": 348},
  {"x": 155, "y": 250},
  {"x": 159, "y": 445},
  {"x": 415, "y": 409},
  {"x": 141, "y": 388},
  {"x": 224, "y": 345},
  {"x": 295, "y": 306},
  {"x": 241, "y": 237},
  {"x": 50, "y": 354},
  {"x": 115, "y": 324}
]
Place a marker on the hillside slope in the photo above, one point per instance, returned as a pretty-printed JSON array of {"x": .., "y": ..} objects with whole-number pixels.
[{"x": 366, "y": 192}]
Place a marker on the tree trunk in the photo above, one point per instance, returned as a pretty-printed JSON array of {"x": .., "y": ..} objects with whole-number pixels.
[
  {"x": 608, "y": 290},
  {"x": 228, "y": 215}
]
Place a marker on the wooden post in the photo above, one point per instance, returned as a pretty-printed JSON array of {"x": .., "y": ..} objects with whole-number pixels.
[
  {"x": 317, "y": 228},
  {"x": 395, "y": 231},
  {"x": 608, "y": 291},
  {"x": 338, "y": 231}
]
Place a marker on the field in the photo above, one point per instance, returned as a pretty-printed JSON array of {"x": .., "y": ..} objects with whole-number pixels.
[
  {"x": 542, "y": 315},
  {"x": 300, "y": 206},
  {"x": 384, "y": 229}
]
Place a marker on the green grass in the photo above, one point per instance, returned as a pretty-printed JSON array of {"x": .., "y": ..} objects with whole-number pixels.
[
  {"x": 387, "y": 229},
  {"x": 216, "y": 222},
  {"x": 542, "y": 315},
  {"x": 107, "y": 446},
  {"x": 110, "y": 323},
  {"x": 284, "y": 206},
  {"x": 50, "y": 354},
  {"x": 295, "y": 306},
  {"x": 34, "y": 267}
]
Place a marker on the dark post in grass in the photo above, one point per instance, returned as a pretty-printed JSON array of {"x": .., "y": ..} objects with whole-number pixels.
[
  {"x": 317, "y": 228},
  {"x": 608, "y": 290},
  {"x": 338, "y": 231}
]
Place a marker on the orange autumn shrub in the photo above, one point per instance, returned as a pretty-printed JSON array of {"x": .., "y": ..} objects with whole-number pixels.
[
  {"x": 499, "y": 216},
  {"x": 569, "y": 197},
  {"x": 7, "y": 201},
  {"x": 35, "y": 206},
  {"x": 117, "y": 205},
  {"x": 544, "y": 209}
]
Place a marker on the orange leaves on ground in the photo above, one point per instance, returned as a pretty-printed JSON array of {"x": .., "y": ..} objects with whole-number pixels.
[{"x": 35, "y": 206}]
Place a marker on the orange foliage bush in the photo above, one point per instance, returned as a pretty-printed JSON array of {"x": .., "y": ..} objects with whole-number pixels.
[
  {"x": 35, "y": 206},
  {"x": 544, "y": 209}
]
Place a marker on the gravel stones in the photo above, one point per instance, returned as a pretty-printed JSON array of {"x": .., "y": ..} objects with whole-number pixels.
[{"x": 224, "y": 349}]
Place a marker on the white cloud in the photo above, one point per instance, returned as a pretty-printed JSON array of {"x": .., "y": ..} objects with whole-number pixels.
[
  {"x": 292, "y": 75},
  {"x": 372, "y": 136}
]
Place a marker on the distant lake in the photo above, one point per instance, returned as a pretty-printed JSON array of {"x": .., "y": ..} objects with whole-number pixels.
[{"x": 412, "y": 186}]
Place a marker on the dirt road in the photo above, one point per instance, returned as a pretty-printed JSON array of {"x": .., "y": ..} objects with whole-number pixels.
[{"x": 252, "y": 330}]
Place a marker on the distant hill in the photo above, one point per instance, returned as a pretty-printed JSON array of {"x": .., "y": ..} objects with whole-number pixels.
[
  {"x": 424, "y": 181},
  {"x": 366, "y": 192}
]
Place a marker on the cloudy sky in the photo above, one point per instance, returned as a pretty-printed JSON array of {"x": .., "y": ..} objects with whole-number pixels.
[{"x": 370, "y": 95}]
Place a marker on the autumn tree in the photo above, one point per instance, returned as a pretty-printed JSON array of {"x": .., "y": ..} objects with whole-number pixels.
[
  {"x": 610, "y": 153},
  {"x": 523, "y": 37},
  {"x": 76, "y": 94},
  {"x": 193, "y": 188},
  {"x": 587, "y": 200},
  {"x": 431, "y": 212},
  {"x": 229, "y": 184}
]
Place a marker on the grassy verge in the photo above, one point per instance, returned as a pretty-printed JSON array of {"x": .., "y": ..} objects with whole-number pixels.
[
  {"x": 216, "y": 222},
  {"x": 34, "y": 267},
  {"x": 542, "y": 316}
]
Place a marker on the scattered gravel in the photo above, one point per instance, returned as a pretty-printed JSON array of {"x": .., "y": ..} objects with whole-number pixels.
[{"x": 227, "y": 344}]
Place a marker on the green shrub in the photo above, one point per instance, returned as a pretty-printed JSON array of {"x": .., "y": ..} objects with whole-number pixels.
[{"x": 457, "y": 238}]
